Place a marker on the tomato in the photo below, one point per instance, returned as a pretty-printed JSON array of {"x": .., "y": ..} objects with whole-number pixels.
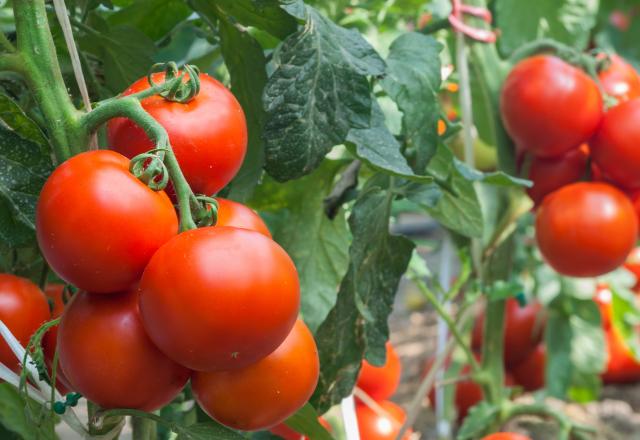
[
  {"x": 620, "y": 80},
  {"x": 23, "y": 309},
  {"x": 266, "y": 393},
  {"x": 236, "y": 214},
  {"x": 549, "y": 174},
  {"x": 523, "y": 330},
  {"x": 219, "y": 298},
  {"x": 374, "y": 426},
  {"x": 603, "y": 297},
  {"x": 549, "y": 107},
  {"x": 208, "y": 134},
  {"x": 635, "y": 200},
  {"x": 586, "y": 229},
  {"x": 506, "y": 436},
  {"x": 632, "y": 264},
  {"x": 97, "y": 225},
  {"x": 107, "y": 356},
  {"x": 530, "y": 373},
  {"x": 381, "y": 382},
  {"x": 54, "y": 294},
  {"x": 287, "y": 433},
  {"x": 614, "y": 147}
]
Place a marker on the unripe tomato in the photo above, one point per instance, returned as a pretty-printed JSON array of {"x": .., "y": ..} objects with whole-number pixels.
[
  {"x": 550, "y": 174},
  {"x": 548, "y": 106},
  {"x": 236, "y": 214},
  {"x": 523, "y": 330},
  {"x": 266, "y": 393},
  {"x": 219, "y": 298},
  {"x": 530, "y": 373},
  {"x": 506, "y": 436},
  {"x": 381, "y": 382},
  {"x": 620, "y": 80},
  {"x": 107, "y": 356},
  {"x": 374, "y": 426},
  {"x": 208, "y": 134},
  {"x": 586, "y": 229},
  {"x": 614, "y": 148},
  {"x": 23, "y": 309},
  {"x": 54, "y": 294},
  {"x": 97, "y": 225}
]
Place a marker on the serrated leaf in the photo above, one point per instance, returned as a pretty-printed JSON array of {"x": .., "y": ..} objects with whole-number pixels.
[
  {"x": 412, "y": 80},
  {"x": 357, "y": 325},
  {"x": 479, "y": 419},
  {"x": 12, "y": 116},
  {"x": 567, "y": 21},
  {"x": 154, "y": 18},
  {"x": 316, "y": 94},
  {"x": 208, "y": 431},
  {"x": 305, "y": 421}
]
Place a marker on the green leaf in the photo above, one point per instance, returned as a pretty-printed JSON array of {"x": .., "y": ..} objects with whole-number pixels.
[
  {"x": 480, "y": 418},
  {"x": 13, "y": 416},
  {"x": 316, "y": 94},
  {"x": 568, "y": 21},
  {"x": 625, "y": 317},
  {"x": 208, "y": 431},
  {"x": 12, "y": 116},
  {"x": 305, "y": 421},
  {"x": 412, "y": 80},
  {"x": 378, "y": 148},
  {"x": 154, "y": 18},
  {"x": 357, "y": 325},
  {"x": 246, "y": 63},
  {"x": 494, "y": 178},
  {"x": 317, "y": 245}
]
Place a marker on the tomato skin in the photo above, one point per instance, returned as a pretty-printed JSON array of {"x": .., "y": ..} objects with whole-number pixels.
[
  {"x": 548, "y": 106},
  {"x": 632, "y": 264},
  {"x": 506, "y": 436},
  {"x": 266, "y": 393},
  {"x": 614, "y": 147},
  {"x": 54, "y": 294},
  {"x": 550, "y": 174},
  {"x": 381, "y": 382},
  {"x": 523, "y": 330},
  {"x": 530, "y": 373},
  {"x": 586, "y": 229},
  {"x": 620, "y": 80},
  {"x": 23, "y": 309},
  {"x": 236, "y": 214},
  {"x": 107, "y": 356},
  {"x": 208, "y": 134},
  {"x": 93, "y": 222},
  {"x": 377, "y": 427},
  {"x": 233, "y": 291}
]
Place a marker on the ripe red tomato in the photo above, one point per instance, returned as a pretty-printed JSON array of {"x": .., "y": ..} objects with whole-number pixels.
[
  {"x": 266, "y": 393},
  {"x": 549, "y": 174},
  {"x": 620, "y": 80},
  {"x": 523, "y": 330},
  {"x": 208, "y": 134},
  {"x": 632, "y": 264},
  {"x": 23, "y": 309},
  {"x": 614, "y": 146},
  {"x": 586, "y": 229},
  {"x": 236, "y": 214},
  {"x": 374, "y": 426},
  {"x": 381, "y": 382},
  {"x": 548, "y": 106},
  {"x": 530, "y": 373},
  {"x": 54, "y": 294},
  {"x": 107, "y": 356},
  {"x": 219, "y": 298},
  {"x": 506, "y": 436},
  {"x": 97, "y": 225}
]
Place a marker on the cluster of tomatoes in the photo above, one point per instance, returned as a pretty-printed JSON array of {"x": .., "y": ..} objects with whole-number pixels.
[{"x": 156, "y": 308}]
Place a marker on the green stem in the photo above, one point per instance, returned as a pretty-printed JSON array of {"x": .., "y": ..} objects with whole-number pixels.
[
  {"x": 492, "y": 349},
  {"x": 130, "y": 107},
  {"x": 567, "y": 427},
  {"x": 143, "y": 429},
  {"x": 6, "y": 44}
]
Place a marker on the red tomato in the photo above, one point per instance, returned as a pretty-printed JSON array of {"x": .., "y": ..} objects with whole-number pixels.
[
  {"x": 524, "y": 327},
  {"x": 374, "y": 426},
  {"x": 506, "y": 436},
  {"x": 620, "y": 80},
  {"x": 23, "y": 309},
  {"x": 549, "y": 174},
  {"x": 614, "y": 147},
  {"x": 266, "y": 393},
  {"x": 633, "y": 265},
  {"x": 236, "y": 214},
  {"x": 548, "y": 106},
  {"x": 208, "y": 134},
  {"x": 54, "y": 294},
  {"x": 635, "y": 200},
  {"x": 586, "y": 229},
  {"x": 603, "y": 298},
  {"x": 97, "y": 225},
  {"x": 219, "y": 298},
  {"x": 530, "y": 373},
  {"x": 107, "y": 356},
  {"x": 381, "y": 382}
]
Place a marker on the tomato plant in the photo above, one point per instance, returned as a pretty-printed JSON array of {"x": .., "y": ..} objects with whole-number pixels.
[
  {"x": 236, "y": 214},
  {"x": 620, "y": 80}
]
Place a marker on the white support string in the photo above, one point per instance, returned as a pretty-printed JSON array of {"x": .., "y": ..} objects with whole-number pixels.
[{"x": 348, "y": 410}]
